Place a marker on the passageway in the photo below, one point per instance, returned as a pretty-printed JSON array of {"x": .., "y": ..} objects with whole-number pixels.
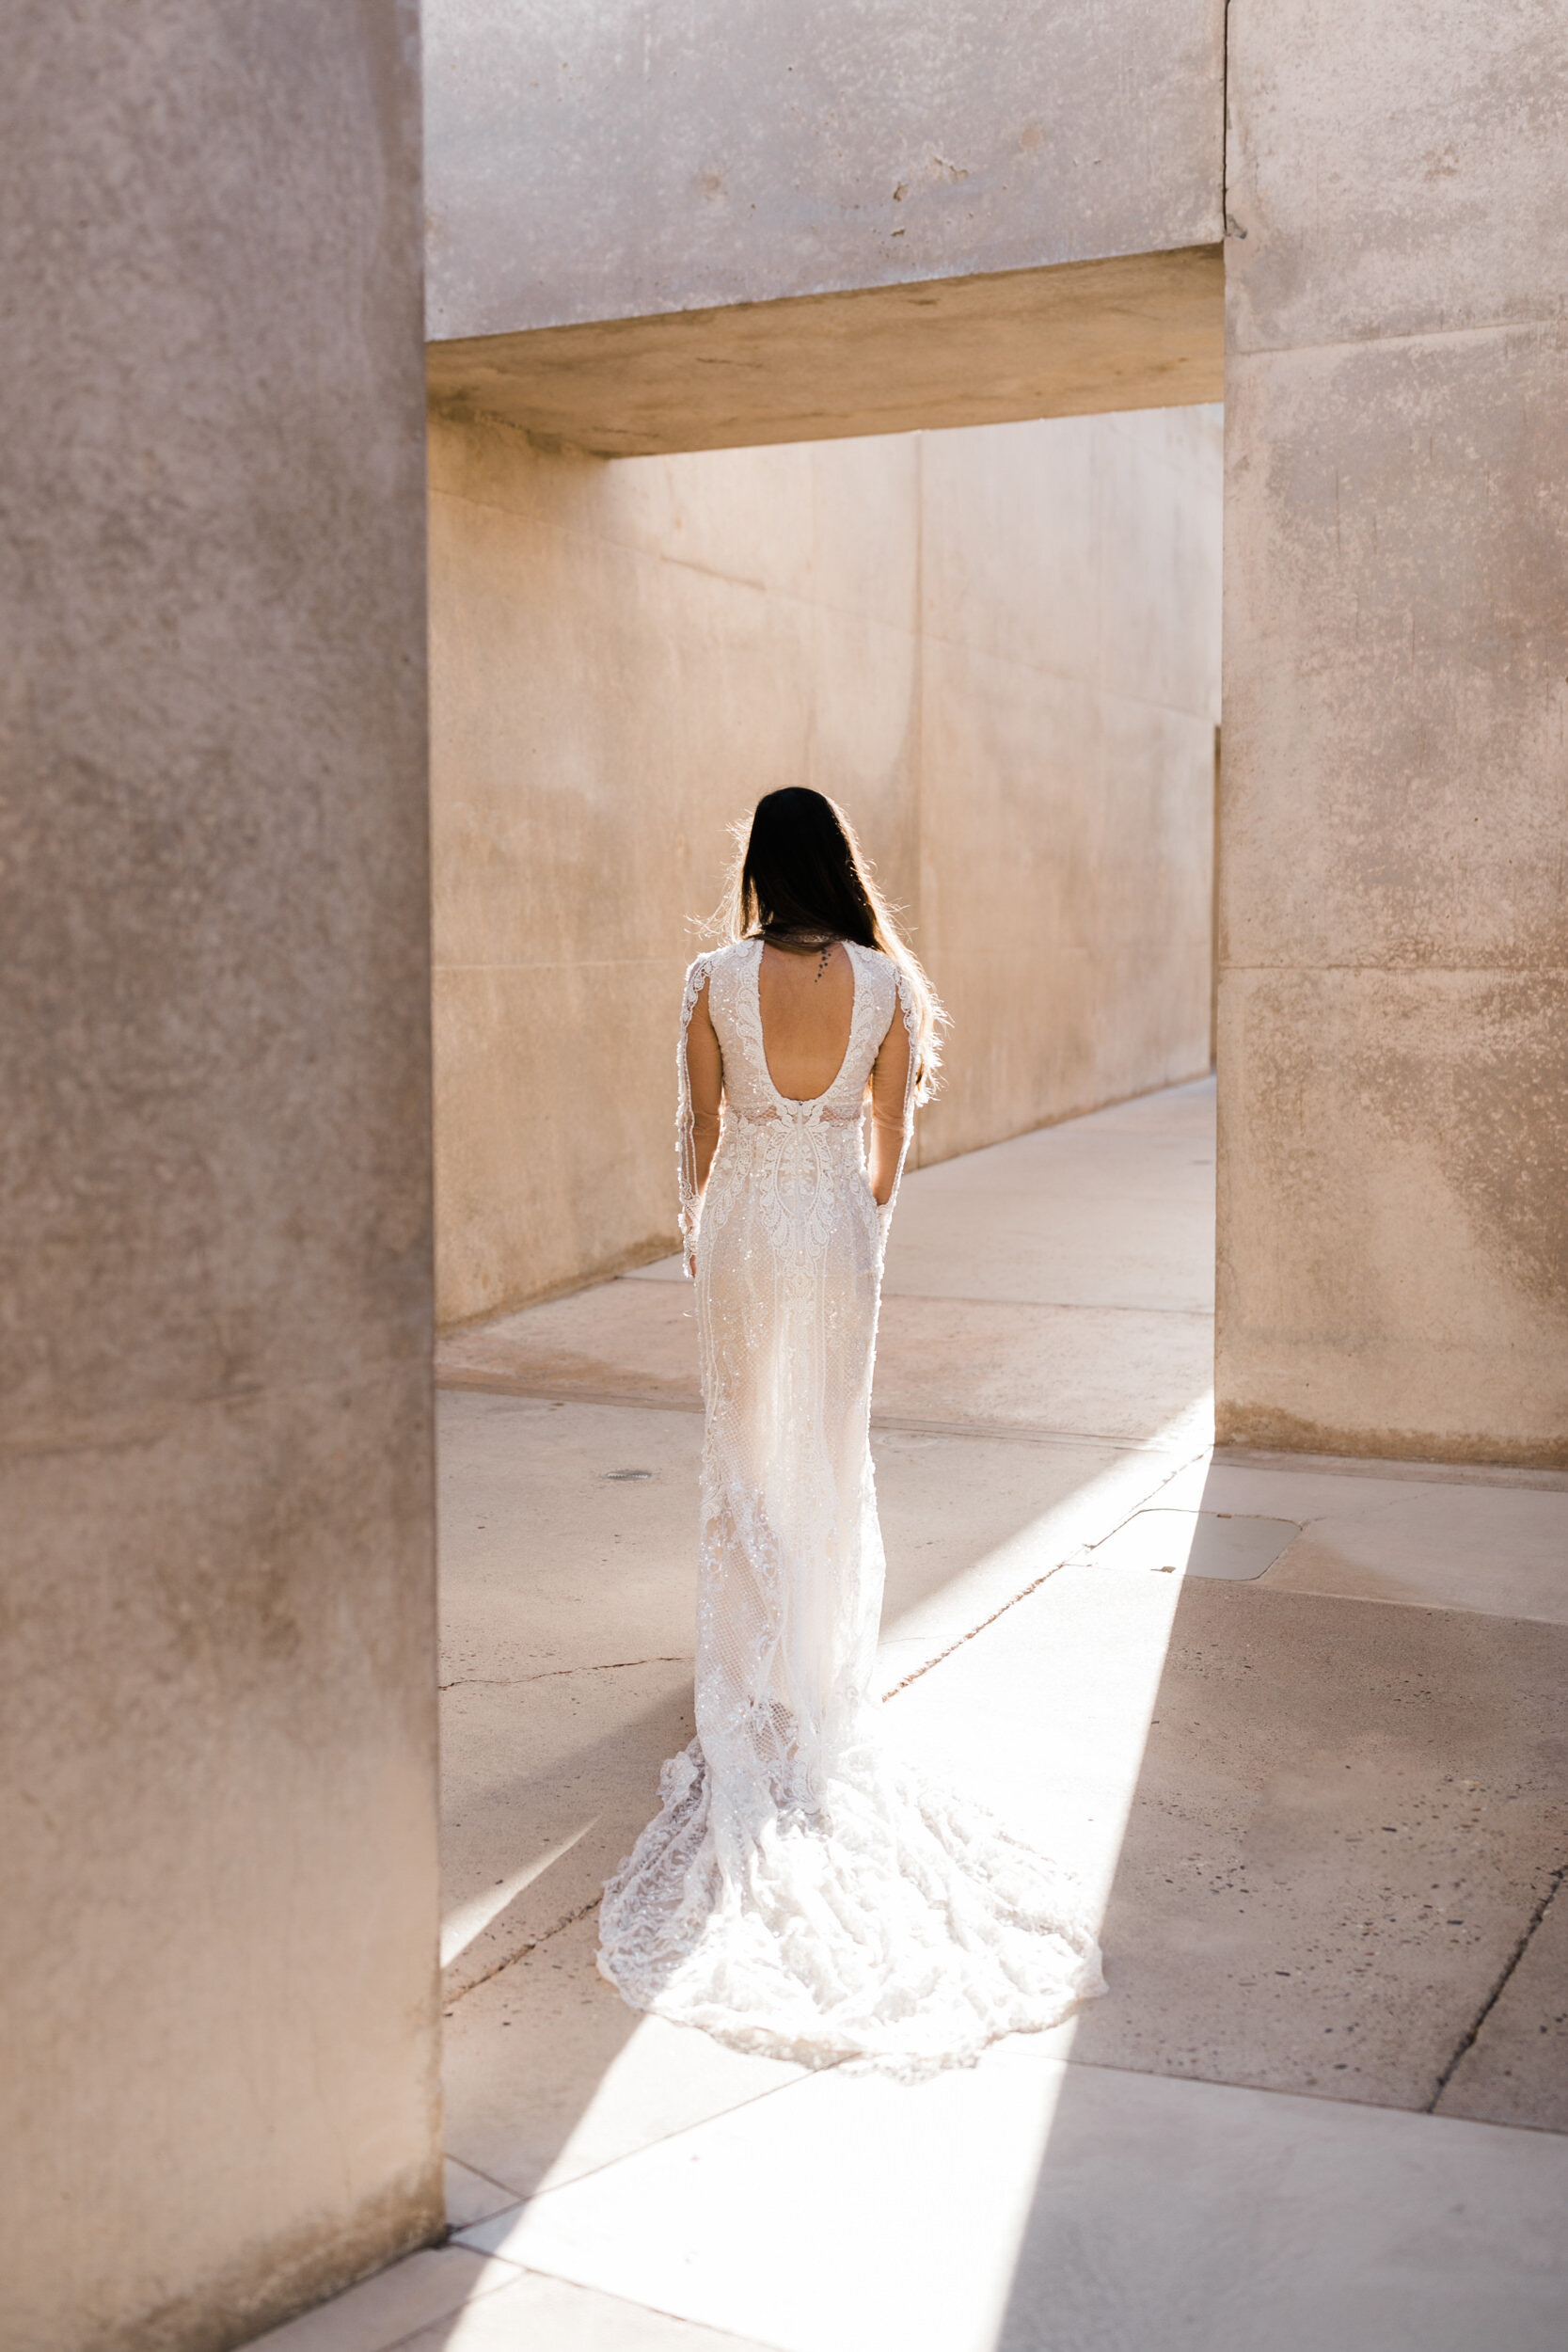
[
  {"x": 377, "y": 719},
  {"x": 1294, "y": 1720}
]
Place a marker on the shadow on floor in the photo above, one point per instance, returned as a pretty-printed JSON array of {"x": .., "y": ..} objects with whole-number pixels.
[
  {"x": 1347, "y": 1824},
  {"x": 1346, "y": 1817}
]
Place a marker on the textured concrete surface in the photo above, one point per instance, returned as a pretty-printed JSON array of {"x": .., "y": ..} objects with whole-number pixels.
[
  {"x": 530, "y": 2041},
  {"x": 998, "y": 649},
  {"x": 1392, "y": 1239},
  {"x": 1117, "y": 1372},
  {"x": 1481, "y": 1544},
  {"x": 1516, "y": 2070},
  {"x": 1424, "y": 214},
  {"x": 1145, "y": 331},
  {"x": 566, "y": 1655},
  {"x": 470, "y": 2196},
  {"x": 542, "y": 2310},
  {"x": 217, "y": 1756},
  {"x": 605, "y": 162},
  {"x": 1114, "y": 1213},
  {"x": 1340, "y": 1827},
  {"x": 473, "y": 2305},
  {"x": 429, "y": 2286},
  {"x": 551, "y": 2311}
]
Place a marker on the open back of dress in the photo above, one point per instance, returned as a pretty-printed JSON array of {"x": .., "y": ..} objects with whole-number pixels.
[{"x": 799, "y": 1892}]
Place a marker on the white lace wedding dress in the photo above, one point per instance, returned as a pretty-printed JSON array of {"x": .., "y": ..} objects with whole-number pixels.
[{"x": 801, "y": 1892}]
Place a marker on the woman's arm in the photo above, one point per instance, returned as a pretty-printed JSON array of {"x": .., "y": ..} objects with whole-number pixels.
[
  {"x": 890, "y": 1098},
  {"x": 704, "y": 1071}
]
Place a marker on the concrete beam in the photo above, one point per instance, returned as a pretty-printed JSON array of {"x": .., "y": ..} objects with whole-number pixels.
[
  {"x": 1140, "y": 331},
  {"x": 615, "y": 159}
]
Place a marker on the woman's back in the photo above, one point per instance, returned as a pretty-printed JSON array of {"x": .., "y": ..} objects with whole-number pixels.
[
  {"x": 807, "y": 1001},
  {"x": 782, "y": 1045}
]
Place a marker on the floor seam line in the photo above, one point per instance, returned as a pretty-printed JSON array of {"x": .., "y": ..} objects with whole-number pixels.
[
  {"x": 480, "y": 2174},
  {"x": 1317, "y": 2098},
  {"x": 943, "y": 1655},
  {"x": 555, "y": 1674},
  {"x": 498, "y": 1383},
  {"x": 630, "y": 2156},
  {"x": 412, "y": 2335},
  {"x": 1157, "y": 1487},
  {"x": 1046, "y": 1306},
  {"x": 1510, "y": 1967},
  {"x": 742, "y": 2343},
  {"x": 521, "y": 1953}
]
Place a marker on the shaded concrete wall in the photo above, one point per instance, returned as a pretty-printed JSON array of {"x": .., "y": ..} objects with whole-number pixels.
[
  {"x": 217, "y": 1750},
  {"x": 998, "y": 647},
  {"x": 1394, "y": 1000}
]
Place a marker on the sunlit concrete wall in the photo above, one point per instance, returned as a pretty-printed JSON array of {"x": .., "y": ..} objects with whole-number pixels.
[
  {"x": 998, "y": 647},
  {"x": 1394, "y": 1022},
  {"x": 217, "y": 1937}
]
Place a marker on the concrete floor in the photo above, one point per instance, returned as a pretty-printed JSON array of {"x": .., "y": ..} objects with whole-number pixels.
[{"x": 1299, "y": 1721}]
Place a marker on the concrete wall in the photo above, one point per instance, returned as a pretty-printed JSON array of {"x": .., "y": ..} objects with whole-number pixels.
[
  {"x": 998, "y": 647},
  {"x": 216, "y": 1748},
  {"x": 1394, "y": 1074}
]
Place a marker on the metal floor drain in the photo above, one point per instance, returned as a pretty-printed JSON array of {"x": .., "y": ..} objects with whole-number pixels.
[{"x": 1225, "y": 1544}]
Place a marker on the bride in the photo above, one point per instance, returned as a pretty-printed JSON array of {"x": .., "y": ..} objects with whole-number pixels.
[{"x": 802, "y": 1893}]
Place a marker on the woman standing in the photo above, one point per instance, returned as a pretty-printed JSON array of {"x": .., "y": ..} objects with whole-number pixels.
[{"x": 801, "y": 1893}]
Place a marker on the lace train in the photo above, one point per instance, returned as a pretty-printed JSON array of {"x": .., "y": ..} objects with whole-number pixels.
[{"x": 897, "y": 1924}]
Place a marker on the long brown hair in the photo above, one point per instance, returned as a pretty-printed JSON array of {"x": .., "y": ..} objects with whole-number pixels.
[{"x": 802, "y": 869}]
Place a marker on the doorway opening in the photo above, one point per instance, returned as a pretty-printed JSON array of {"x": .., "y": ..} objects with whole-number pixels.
[{"x": 998, "y": 647}]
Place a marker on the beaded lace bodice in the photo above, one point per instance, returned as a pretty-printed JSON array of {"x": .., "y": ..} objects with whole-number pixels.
[
  {"x": 799, "y": 1892},
  {"x": 805, "y": 1157}
]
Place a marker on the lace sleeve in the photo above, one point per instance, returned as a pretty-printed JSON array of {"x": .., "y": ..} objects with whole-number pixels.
[
  {"x": 908, "y": 1008},
  {"x": 686, "y": 1130}
]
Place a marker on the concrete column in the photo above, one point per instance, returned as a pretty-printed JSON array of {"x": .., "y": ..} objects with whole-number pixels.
[
  {"x": 1394, "y": 1250},
  {"x": 217, "y": 1749}
]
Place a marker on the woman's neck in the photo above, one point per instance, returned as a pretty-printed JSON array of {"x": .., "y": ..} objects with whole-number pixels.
[{"x": 799, "y": 937}]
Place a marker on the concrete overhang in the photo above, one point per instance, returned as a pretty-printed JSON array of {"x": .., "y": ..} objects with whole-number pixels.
[
  {"x": 651, "y": 229},
  {"x": 1143, "y": 330}
]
